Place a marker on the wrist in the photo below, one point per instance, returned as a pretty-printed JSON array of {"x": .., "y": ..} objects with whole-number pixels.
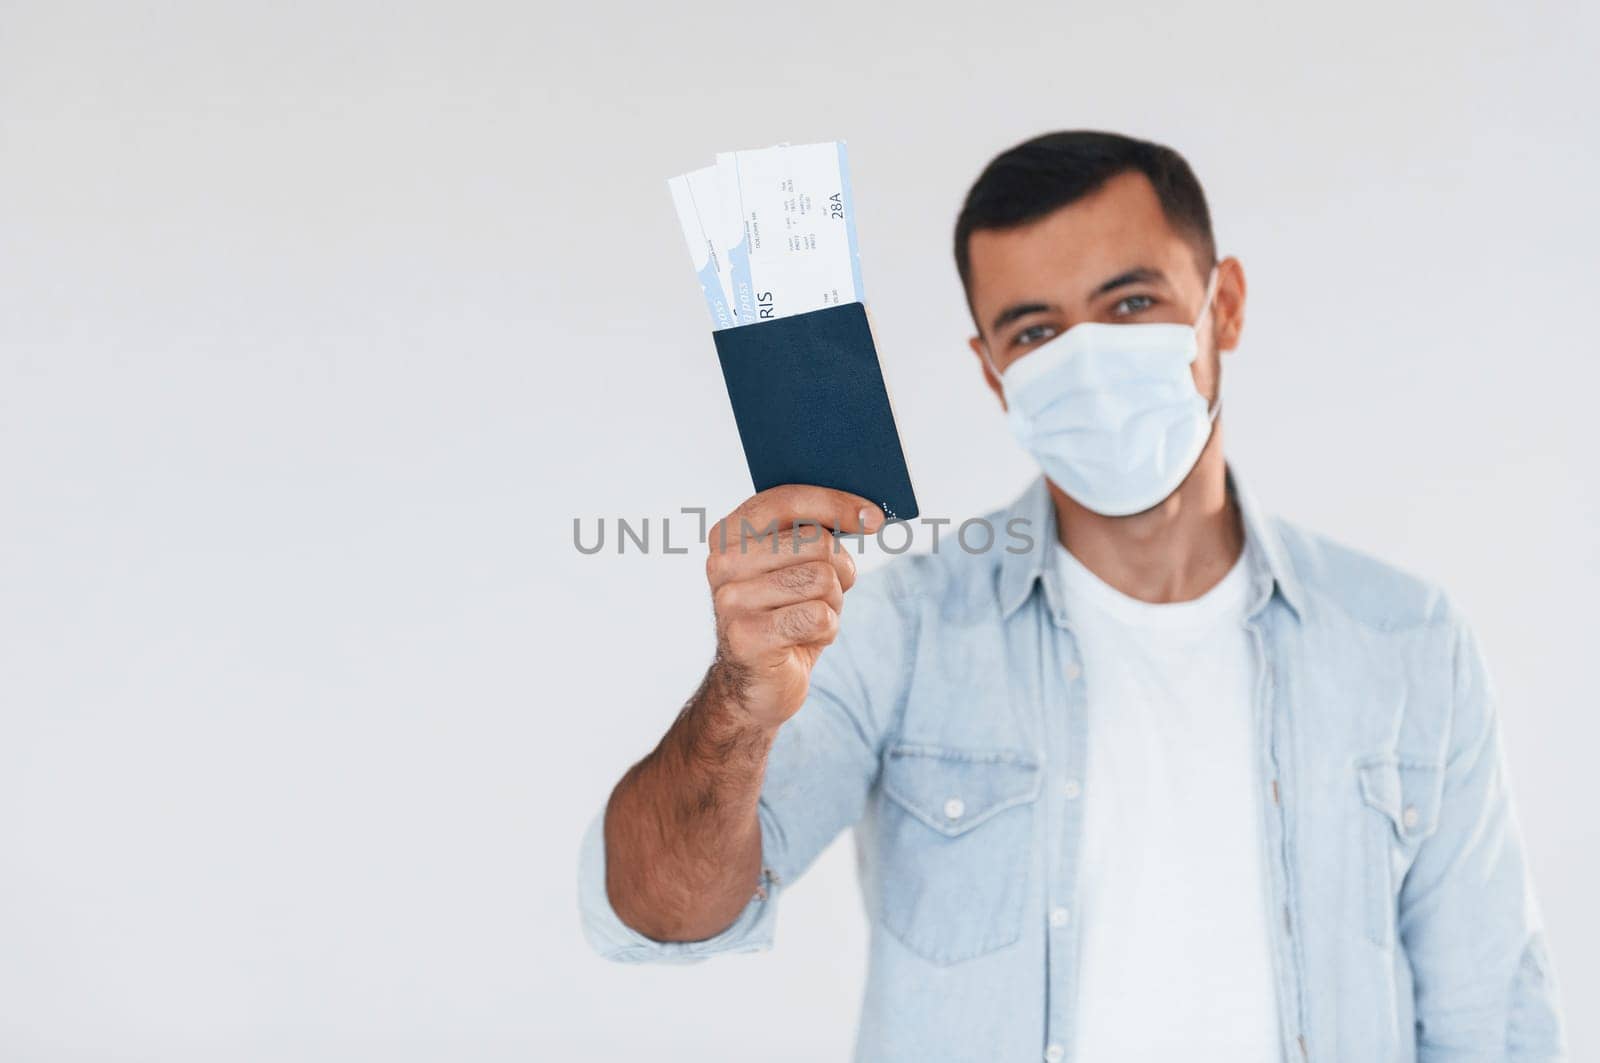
[{"x": 731, "y": 703}]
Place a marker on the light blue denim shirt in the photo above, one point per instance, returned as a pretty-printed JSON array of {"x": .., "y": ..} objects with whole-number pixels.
[{"x": 946, "y": 724}]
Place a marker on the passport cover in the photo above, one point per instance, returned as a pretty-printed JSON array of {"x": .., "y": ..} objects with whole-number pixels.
[{"x": 809, "y": 400}]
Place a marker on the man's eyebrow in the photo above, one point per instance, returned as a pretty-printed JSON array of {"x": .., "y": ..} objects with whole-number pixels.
[
  {"x": 1137, "y": 275},
  {"x": 1016, "y": 310}
]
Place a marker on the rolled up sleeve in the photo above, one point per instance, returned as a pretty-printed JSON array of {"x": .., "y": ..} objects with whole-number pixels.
[
  {"x": 609, "y": 936},
  {"x": 1485, "y": 987},
  {"x": 821, "y": 767}
]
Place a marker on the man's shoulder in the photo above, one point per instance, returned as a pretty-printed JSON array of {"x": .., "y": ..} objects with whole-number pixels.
[{"x": 1338, "y": 580}]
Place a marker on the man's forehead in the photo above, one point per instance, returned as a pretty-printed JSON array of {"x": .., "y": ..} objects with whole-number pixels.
[{"x": 1122, "y": 221}]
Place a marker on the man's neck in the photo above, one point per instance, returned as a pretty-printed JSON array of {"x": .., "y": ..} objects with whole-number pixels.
[{"x": 1174, "y": 552}]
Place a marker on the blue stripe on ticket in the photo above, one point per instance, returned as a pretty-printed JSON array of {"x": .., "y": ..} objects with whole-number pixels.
[{"x": 850, "y": 222}]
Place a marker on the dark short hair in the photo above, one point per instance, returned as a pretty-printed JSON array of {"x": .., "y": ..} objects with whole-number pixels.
[{"x": 1038, "y": 176}]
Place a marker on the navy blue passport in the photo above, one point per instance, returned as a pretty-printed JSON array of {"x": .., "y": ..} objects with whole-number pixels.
[{"x": 811, "y": 407}]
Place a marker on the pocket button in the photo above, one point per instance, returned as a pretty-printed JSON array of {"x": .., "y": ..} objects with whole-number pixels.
[{"x": 954, "y": 808}]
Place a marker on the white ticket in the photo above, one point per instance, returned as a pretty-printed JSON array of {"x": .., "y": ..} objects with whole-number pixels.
[
  {"x": 799, "y": 225},
  {"x": 772, "y": 231},
  {"x": 689, "y": 191}
]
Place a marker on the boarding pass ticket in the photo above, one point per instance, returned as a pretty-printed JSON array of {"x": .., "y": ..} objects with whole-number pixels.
[{"x": 771, "y": 231}]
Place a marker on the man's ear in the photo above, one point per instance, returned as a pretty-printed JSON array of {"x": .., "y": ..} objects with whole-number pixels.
[
  {"x": 1228, "y": 307},
  {"x": 976, "y": 343}
]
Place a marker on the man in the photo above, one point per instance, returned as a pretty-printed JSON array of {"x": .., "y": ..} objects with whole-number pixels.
[{"x": 1156, "y": 778}]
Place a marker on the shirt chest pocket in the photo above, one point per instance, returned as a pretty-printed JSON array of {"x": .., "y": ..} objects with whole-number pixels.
[
  {"x": 955, "y": 837},
  {"x": 1401, "y": 799}
]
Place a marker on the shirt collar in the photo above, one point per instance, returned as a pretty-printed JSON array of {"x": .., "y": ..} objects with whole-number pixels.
[
  {"x": 1020, "y": 570},
  {"x": 1272, "y": 563}
]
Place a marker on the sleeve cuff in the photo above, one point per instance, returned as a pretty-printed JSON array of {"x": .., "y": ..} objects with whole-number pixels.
[{"x": 613, "y": 939}]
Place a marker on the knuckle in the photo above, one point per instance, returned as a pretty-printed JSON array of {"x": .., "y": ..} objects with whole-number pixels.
[
  {"x": 818, "y": 541},
  {"x": 830, "y": 627},
  {"x": 721, "y": 567},
  {"x": 821, "y": 621},
  {"x": 815, "y": 616},
  {"x": 725, "y": 599}
]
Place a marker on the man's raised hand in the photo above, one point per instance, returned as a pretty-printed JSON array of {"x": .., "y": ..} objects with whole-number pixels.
[{"x": 778, "y": 578}]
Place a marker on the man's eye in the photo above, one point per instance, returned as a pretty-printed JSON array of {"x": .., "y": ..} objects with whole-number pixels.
[
  {"x": 1032, "y": 334},
  {"x": 1132, "y": 305}
]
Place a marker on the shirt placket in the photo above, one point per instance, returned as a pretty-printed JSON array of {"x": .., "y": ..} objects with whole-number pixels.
[
  {"x": 1270, "y": 711},
  {"x": 1066, "y": 732}
]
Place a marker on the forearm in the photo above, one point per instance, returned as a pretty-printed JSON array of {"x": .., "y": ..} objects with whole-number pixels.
[
  {"x": 682, "y": 837},
  {"x": 682, "y": 834}
]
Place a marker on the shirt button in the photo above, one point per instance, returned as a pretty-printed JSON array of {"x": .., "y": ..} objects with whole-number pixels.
[
  {"x": 1410, "y": 817},
  {"x": 1058, "y": 917},
  {"x": 954, "y": 808},
  {"x": 1073, "y": 671},
  {"x": 1071, "y": 789},
  {"x": 1054, "y": 1054}
]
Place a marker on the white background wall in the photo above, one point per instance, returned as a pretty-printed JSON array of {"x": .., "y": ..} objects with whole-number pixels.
[{"x": 319, "y": 324}]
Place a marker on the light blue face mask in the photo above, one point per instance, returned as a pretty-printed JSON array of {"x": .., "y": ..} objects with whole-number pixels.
[{"x": 1110, "y": 412}]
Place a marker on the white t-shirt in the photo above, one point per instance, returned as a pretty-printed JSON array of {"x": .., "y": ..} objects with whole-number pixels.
[{"x": 1176, "y": 958}]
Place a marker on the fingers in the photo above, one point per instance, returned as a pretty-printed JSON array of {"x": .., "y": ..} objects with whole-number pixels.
[
  {"x": 745, "y": 558},
  {"x": 778, "y": 508},
  {"x": 808, "y": 581},
  {"x": 750, "y": 636},
  {"x": 778, "y": 576}
]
